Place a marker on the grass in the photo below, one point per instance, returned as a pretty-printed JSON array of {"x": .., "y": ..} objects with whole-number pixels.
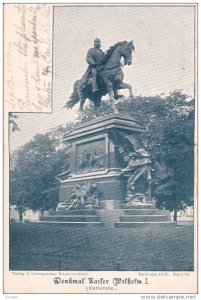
[{"x": 154, "y": 248}]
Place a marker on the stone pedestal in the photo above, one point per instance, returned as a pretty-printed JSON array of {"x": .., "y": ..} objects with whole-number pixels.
[{"x": 95, "y": 159}]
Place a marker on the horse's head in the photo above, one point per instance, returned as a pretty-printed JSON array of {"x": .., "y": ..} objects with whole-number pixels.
[{"x": 127, "y": 52}]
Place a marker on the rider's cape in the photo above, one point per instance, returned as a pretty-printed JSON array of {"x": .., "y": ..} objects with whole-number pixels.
[{"x": 85, "y": 77}]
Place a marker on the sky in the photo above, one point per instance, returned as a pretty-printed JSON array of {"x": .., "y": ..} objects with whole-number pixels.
[{"x": 163, "y": 59}]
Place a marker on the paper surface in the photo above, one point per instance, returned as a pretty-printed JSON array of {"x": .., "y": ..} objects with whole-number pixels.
[
  {"x": 28, "y": 57},
  {"x": 28, "y": 81}
]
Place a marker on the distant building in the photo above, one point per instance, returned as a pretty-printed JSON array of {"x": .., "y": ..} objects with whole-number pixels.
[
  {"x": 14, "y": 214},
  {"x": 28, "y": 214},
  {"x": 185, "y": 215}
]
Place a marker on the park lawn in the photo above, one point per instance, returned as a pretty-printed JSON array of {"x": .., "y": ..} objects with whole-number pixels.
[{"x": 153, "y": 248}]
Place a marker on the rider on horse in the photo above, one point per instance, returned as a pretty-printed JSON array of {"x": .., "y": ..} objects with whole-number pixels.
[
  {"x": 94, "y": 59},
  {"x": 108, "y": 67}
]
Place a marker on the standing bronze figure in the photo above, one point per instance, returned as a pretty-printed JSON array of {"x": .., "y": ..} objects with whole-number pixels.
[
  {"x": 104, "y": 75},
  {"x": 138, "y": 168}
]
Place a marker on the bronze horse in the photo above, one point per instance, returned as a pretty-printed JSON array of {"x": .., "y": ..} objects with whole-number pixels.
[{"x": 110, "y": 78}]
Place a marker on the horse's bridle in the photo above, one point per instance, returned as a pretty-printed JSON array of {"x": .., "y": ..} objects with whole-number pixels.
[{"x": 119, "y": 65}]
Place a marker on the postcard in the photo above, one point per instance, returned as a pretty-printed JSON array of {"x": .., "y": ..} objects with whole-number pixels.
[{"x": 100, "y": 149}]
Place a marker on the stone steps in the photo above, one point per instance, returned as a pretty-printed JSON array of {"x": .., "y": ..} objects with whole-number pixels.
[
  {"x": 71, "y": 218},
  {"x": 136, "y": 224},
  {"x": 119, "y": 217},
  {"x": 143, "y": 215},
  {"x": 151, "y": 211},
  {"x": 76, "y": 218},
  {"x": 138, "y": 206},
  {"x": 70, "y": 224},
  {"x": 144, "y": 218},
  {"x": 74, "y": 212}
]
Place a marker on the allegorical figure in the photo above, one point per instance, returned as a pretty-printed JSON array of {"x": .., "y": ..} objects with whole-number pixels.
[
  {"x": 94, "y": 58},
  {"x": 138, "y": 168},
  {"x": 140, "y": 176}
]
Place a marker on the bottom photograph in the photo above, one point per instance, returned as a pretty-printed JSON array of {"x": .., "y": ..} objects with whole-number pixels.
[{"x": 103, "y": 195}]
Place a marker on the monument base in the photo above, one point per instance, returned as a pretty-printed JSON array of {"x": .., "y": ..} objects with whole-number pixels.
[
  {"x": 73, "y": 218},
  {"x": 96, "y": 161},
  {"x": 111, "y": 213},
  {"x": 144, "y": 214},
  {"x": 111, "y": 183}
]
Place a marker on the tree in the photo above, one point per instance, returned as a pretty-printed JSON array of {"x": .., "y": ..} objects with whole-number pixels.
[
  {"x": 12, "y": 123},
  {"x": 34, "y": 168},
  {"x": 178, "y": 156}
]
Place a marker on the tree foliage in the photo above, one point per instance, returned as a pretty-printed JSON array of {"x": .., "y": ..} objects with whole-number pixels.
[{"x": 34, "y": 168}]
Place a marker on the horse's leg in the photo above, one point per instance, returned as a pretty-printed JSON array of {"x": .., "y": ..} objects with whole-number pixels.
[
  {"x": 111, "y": 95},
  {"x": 97, "y": 103},
  {"x": 116, "y": 95},
  {"x": 82, "y": 99},
  {"x": 124, "y": 85},
  {"x": 82, "y": 102}
]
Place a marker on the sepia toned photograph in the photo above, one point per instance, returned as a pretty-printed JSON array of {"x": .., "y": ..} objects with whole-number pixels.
[{"x": 101, "y": 110}]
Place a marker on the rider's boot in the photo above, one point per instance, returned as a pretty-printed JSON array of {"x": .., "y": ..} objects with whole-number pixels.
[{"x": 94, "y": 86}]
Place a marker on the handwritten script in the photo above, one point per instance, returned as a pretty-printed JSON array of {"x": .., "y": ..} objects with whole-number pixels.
[{"x": 28, "y": 57}]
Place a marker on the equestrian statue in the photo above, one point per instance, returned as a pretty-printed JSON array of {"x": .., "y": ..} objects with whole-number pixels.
[{"x": 103, "y": 76}]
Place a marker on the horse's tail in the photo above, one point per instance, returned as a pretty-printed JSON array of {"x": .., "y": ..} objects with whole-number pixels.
[{"x": 74, "y": 97}]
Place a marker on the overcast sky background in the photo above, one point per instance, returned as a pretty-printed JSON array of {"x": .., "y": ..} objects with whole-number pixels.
[{"x": 162, "y": 62}]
